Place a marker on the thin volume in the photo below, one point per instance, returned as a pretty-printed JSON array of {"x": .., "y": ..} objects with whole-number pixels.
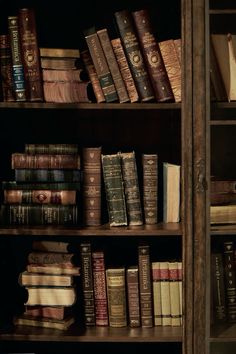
[{"x": 6, "y": 69}]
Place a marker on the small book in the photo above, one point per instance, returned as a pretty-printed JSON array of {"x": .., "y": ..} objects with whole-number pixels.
[
  {"x": 27, "y": 320},
  {"x": 37, "y": 279},
  {"x": 59, "y": 52}
]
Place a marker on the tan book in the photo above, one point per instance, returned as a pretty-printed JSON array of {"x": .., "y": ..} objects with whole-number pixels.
[
  {"x": 171, "y": 192},
  {"x": 59, "y": 52},
  {"x": 37, "y": 279},
  {"x": 50, "y": 296},
  {"x": 165, "y": 294},
  {"x": 26, "y": 320},
  {"x": 223, "y": 214},
  {"x": 175, "y": 311},
  {"x": 64, "y": 268},
  {"x": 156, "y": 286}
]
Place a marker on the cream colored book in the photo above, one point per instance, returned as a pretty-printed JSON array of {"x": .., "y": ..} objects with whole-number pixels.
[
  {"x": 171, "y": 192},
  {"x": 174, "y": 294},
  {"x": 223, "y": 214}
]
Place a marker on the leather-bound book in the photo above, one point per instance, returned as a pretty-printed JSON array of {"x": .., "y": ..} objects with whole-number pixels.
[
  {"x": 152, "y": 56},
  {"x": 132, "y": 281},
  {"x": 6, "y": 69},
  {"x": 150, "y": 188},
  {"x": 30, "y": 54},
  {"x": 134, "y": 55},
  {"x": 50, "y": 161}
]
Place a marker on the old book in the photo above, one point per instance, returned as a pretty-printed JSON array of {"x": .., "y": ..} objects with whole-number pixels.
[
  {"x": 156, "y": 289},
  {"x": 165, "y": 294},
  {"x": 6, "y": 69},
  {"x": 180, "y": 282},
  {"x": 145, "y": 286},
  {"x": 174, "y": 294},
  {"x": 50, "y": 296},
  {"x": 63, "y": 197},
  {"x": 54, "y": 312},
  {"x": 224, "y": 45},
  {"x": 223, "y": 214},
  {"x": 217, "y": 198},
  {"x": 116, "y": 295},
  {"x": 59, "y": 149},
  {"x": 62, "y": 75},
  {"x": 45, "y": 161},
  {"x": 37, "y": 279},
  {"x": 101, "y": 66},
  {"x": 56, "y": 268},
  {"x": 150, "y": 188},
  {"x": 30, "y": 54},
  {"x": 113, "y": 65},
  {"x": 14, "y": 185},
  {"x": 47, "y": 175},
  {"x": 17, "y": 61},
  {"x": 59, "y": 63},
  {"x": 90, "y": 68},
  {"x": 51, "y": 246},
  {"x": 223, "y": 186},
  {"x": 66, "y": 91},
  {"x": 125, "y": 69},
  {"x": 92, "y": 185},
  {"x": 114, "y": 189},
  {"x": 153, "y": 56},
  {"x": 59, "y": 52},
  {"x": 134, "y": 55},
  {"x": 171, "y": 192},
  {"x": 99, "y": 285},
  {"x": 87, "y": 283},
  {"x": 38, "y": 214},
  {"x": 218, "y": 287},
  {"x": 131, "y": 187},
  {"x": 178, "y": 47},
  {"x": 230, "y": 280},
  {"x": 172, "y": 65},
  {"x": 27, "y": 320},
  {"x": 40, "y": 257},
  {"x": 133, "y": 302}
]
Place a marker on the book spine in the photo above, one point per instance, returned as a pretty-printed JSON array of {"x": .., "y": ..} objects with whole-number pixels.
[
  {"x": 90, "y": 68},
  {"x": 114, "y": 189},
  {"x": 100, "y": 292},
  {"x": 180, "y": 282},
  {"x": 116, "y": 294},
  {"x": 45, "y": 161},
  {"x": 156, "y": 286},
  {"x": 165, "y": 294},
  {"x": 218, "y": 288},
  {"x": 50, "y": 246},
  {"x": 174, "y": 294},
  {"x": 17, "y": 63},
  {"x": 124, "y": 69},
  {"x": 145, "y": 286},
  {"x": 13, "y": 185},
  {"x": 230, "y": 280},
  {"x": 132, "y": 281},
  {"x": 150, "y": 188},
  {"x": 131, "y": 187},
  {"x": 45, "y": 175},
  {"x": 30, "y": 55},
  {"x": 44, "y": 214},
  {"x": 133, "y": 53},
  {"x": 64, "y": 197},
  {"x": 152, "y": 56},
  {"x": 87, "y": 283},
  {"x": 57, "y": 149},
  {"x": 50, "y": 257},
  {"x": 100, "y": 63},
  {"x": 54, "y": 312},
  {"x": 223, "y": 186},
  {"x": 92, "y": 185},
  {"x": 113, "y": 65},
  {"x": 6, "y": 69}
]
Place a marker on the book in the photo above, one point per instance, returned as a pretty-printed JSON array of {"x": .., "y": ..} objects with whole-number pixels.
[
  {"x": 51, "y": 246},
  {"x": 165, "y": 294},
  {"x": 67, "y": 91},
  {"x": 223, "y": 186},
  {"x": 113, "y": 65},
  {"x": 230, "y": 280},
  {"x": 175, "y": 311},
  {"x": 45, "y": 161},
  {"x": 133, "y": 301},
  {"x": 101, "y": 66},
  {"x": 218, "y": 287},
  {"x": 38, "y": 214},
  {"x": 145, "y": 286},
  {"x": 58, "y": 149},
  {"x": 216, "y": 78},
  {"x": 92, "y": 185},
  {"x": 62, "y": 75},
  {"x": 50, "y": 296},
  {"x": 64, "y": 197},
  {"x": 171, "y": 192},
  {"x": 56, "y": 268},
  {"x": 47, "y": 175},
  {"x": 131, "y": 188},
  {"x": 116, "y": 295},
  {"x": 223, "y": 214},
  {"x": 6, "y": 69},
  {"x": 14, "y": 185},
  {"x": 152, "y": 56},
  {"x": 27, "y": 320},
  {"x": 124, "y": 69},
  {"x": 59, "y": 52},
  {"x": 54, "y": 312},
  {"x": 37, "y": 279},
  {"x": 30, "y": 54},
  {"x": 156, "y": 289},
  {"x": 114, "y": 189},
  {"x": 134, "y": 55},
  {"x": 17, "y": 61},
  {"x": 217, "y": 198},
  {"x": 150, "y": 188},
  {"x": 59, "y": 63},
  {"x": 40, "y": 257}
]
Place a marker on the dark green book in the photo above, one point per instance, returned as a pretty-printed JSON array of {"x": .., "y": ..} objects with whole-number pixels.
[
  {"x": 47, "y": 175},
  {"x": 14, "y": 185}
]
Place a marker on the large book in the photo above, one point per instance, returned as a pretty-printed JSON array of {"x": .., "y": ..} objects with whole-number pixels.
[
  {"x": 42, "y": 214},
  {"x": 116, "y": 295},
  {"x": 218, "y": 287},
  {"x": 101, "y": 66},
  {"x": 131, "y": 187},
  {"x": 153, "y": 56},
  {"x": 50, "y": 296},
  {"x": 47, "y": 175},
  {"x": 45, "y": 161},
  {"x": 113, "y": 65},
  {"x": 150, "y": 188},
  {"x": 165, "y": 294},
  {"x": 114, "y": 189},
  {"x": 134, "y": 54},
  {"x": 66, "y": 91},
  {"x": 54, "y": 312},
  {"x": 171, "y": 192},
  {"x": 125, "y": 69},
  {"x": 30, "y": 54},
  {"x": 59, "y": 52},
  {"x": 58, "y": 149},
  {"x": 145, "y": 286},
  {"x": 27, "y": 320},
  {"x": 17, "y": 61},
  {"x": 55, "y": 268},
  {"x": 133, "y": 302},
  {"x": 92, "y": 185},
  {"x": 6, "y": 69},
  {"x": 28, "y": 186},
  {"x": 175, "y": 310},
  {"x": 22, "y": 196},
  {"x": 230, "y": 280},
  {"x": 38, "y": 279},
  {"x": 69, "y": 75},
  {"x": 156, "y": 289}
]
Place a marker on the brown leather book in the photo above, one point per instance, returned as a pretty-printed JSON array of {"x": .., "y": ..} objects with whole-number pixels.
[
  {"x": 38, "y": 257},
  {"x": 132, "y": 281},
  {"x": 134, "y": 55},
  {"x": 30, "y": 55},
  {"x": 150, "y": 188},
  {"x": 56, "y": 312},
  {"x": 6, "y": 69},
  {"x": 67, "y": 92},
  {"x": 44, "y": 161},
  {"x": 152, "y": 56}
]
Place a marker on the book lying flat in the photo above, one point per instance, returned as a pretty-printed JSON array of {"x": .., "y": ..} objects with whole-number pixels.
[
  {"x": 54, "y": 312},
  {"x": 45, "y": 322},
  {"x": 38, "y": 279},
  {"x": 62, "y": 268},
  {"x": 51, "y": 296}
]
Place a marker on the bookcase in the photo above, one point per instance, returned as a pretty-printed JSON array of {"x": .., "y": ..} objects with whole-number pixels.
[{"x": 162, "y": 128}]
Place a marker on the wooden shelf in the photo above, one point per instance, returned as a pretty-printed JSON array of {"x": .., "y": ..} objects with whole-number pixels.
[{"x": 224, "y": 332}]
